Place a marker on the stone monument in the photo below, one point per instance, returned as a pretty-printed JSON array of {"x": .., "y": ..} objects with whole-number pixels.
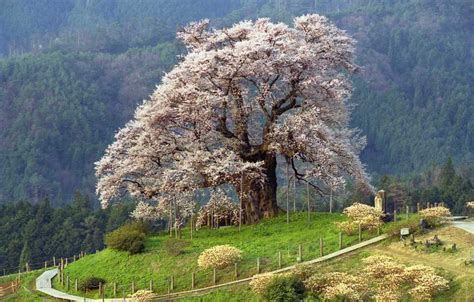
[{"x": 379, "y": 201}]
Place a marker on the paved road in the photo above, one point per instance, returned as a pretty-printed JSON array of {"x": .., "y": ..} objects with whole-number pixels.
[
  {"x": 43, "y": 284},
  {"x": 465, "y": 225}
]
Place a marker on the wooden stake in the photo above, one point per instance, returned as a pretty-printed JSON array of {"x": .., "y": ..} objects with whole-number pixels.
[
  {"x": 279, "y": 259},
  {"x": 115, "y": 289},
  {"x": 340, "y": 240},
  {"x": 214, "y": 277},
  {"x": 193, "y": 279},
  {"x": 360, "y": 233},
  {"x": 258, "y": 265},
  {"x": 300, "y": 253},
  {"x": 236, "y": 270},
  {"x": 321, "y": 247}
]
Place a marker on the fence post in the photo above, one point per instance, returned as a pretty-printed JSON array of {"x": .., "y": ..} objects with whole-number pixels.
[
  {"x": 65, "y": 265},
  {"x": 172, "y": 283},
  {"x": 103, "y": 293},
  {"x": 151, "y": 284},
  {"x": 74, "y": 258},
  {"x": 45, "y": 264},
  {"x": 214, "y": 276},
  {"x": 395, "y": 215},
  {"x": 321, "y": 247},
  {"x": 100, "y": 288},
  {"x": 340, "y": 240},
  {"x": 360, "y": 233},
  {"x": 236, "y": 271},
  {"x": 258, "y": 265},
  {"x": 75, "y": 284},
  {"x": 417, "y": 207},
  {"x": 279, "y": 259},
  {"x": 115, "y": 289},
  {"x": 67, "y": 282},
  {"x": 133, "y": 287},
  {"x": 300, "y": 253},
  {"x": 193, "y": 280},
  {"x": 408, "y": 211},
  {"x": 54, "y": 261}
]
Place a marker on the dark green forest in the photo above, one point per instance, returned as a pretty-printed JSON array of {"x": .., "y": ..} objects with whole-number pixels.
[{"x": 73, "y": 71}]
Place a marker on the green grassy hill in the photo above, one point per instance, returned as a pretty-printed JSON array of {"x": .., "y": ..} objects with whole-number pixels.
[{"x": 165, "y": 256}]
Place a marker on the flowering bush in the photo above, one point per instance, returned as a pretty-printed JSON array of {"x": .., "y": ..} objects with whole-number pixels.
[
  {"x": 368, "y": 217},
  {"x": 219, "y": 256},
  {"x": 389, "y": 277},
  {"x": 284, "y": 287},
  {"x": 260, "y": 282},
  {"x": 337, "y": 286},
  {"x": 426, "y": 282},
  {"x": 435, "y": 215},
  {"x": 143, "y": 295}
]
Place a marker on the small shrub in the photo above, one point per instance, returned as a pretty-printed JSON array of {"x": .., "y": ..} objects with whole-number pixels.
[
  {"x": 175, "y": 247},
  {"x": 337, "y": 286},
  {"x": 435, "y": 215},
  {"x": 143, "y": 295},
  {"x": 219, "y": 256},
  {"x": 368, "y": 217},
  {"x": 412, "y": 223},
  {"x": 260, "y": 282},
  {"x": 285, "y": 287},
  {"x": 91, "y": 283},
  {"x": 128, "y": 238},
  {"x": 470, "y": 205}
]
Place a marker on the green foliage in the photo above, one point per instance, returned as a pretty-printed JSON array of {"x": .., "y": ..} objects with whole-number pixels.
[
  {"x": 284, "y": 288},
  {"x": 34, "y": 233},
  {"x": 175, "y": 247},
  {"x": 91, "y": 283},
  {"x": 412, "y": 223},
  {"x": 128, "y": 238}
]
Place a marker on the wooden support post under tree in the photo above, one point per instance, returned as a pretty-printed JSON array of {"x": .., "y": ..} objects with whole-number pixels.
[
  {"x": 241, "y": 196},
  {"x": 340, "y": 240},
  {"x": 307, "y": 202},
  {"x": 287, "y": 193},
  {"x": 321, "y": 247},
  {"x": 193, "y": 280}
]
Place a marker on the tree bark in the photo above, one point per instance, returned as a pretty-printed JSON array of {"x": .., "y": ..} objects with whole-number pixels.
[{"x": 259, "y": 200}]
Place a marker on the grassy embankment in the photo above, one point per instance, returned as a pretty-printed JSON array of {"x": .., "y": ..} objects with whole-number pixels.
[
  {"x": 163, "y": 258},
  {"x": 449, "y": 264}
]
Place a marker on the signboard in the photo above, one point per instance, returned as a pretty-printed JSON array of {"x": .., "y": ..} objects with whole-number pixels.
[{"x": 405, "y": 231}]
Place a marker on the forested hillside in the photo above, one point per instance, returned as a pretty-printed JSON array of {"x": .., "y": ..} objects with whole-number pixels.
[{"x": 72, "y": 72}]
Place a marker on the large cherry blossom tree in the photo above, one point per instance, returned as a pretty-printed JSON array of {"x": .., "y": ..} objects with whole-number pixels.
[{"x": 239, "y": 99}]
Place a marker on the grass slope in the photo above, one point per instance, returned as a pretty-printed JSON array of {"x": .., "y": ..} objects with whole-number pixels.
[
  {"x": 158, "y": 263},
  {"x": 448, "y": 264}
]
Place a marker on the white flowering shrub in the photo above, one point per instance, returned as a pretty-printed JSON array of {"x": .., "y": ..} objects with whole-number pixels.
[
  {"x": 260, "y": 282},
  {"x": 388, "y": 278},
  {"x": 435, "y": 215},
  {"x": 368, "y": 217},
  {"x": 337, "y": 286},
  {"x": 219, "y": 256},
  {"x": 143, "y": 295},
  {"x": 470, "y": 205}
]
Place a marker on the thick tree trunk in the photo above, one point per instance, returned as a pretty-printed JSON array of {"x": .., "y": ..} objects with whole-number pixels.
[{"x": 259, "y": 199}]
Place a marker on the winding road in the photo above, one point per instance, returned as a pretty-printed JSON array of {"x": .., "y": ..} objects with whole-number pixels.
[{"x": 465, "y": 225}]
